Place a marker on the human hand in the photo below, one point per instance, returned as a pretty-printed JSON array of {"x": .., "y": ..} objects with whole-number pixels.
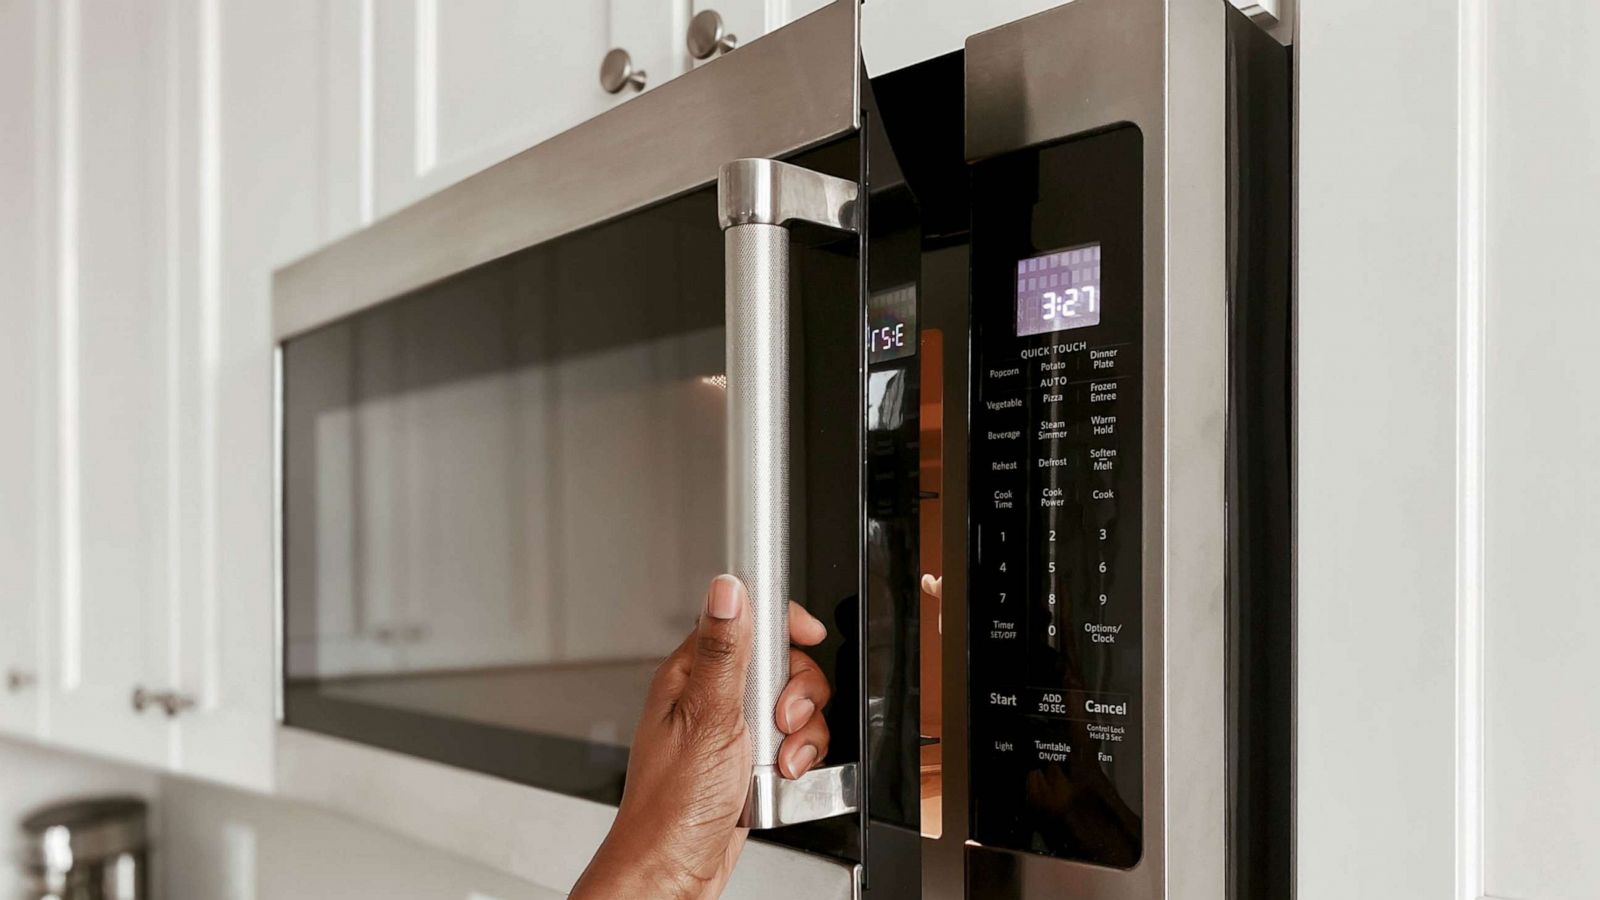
[{"x": 676, "y": 834}]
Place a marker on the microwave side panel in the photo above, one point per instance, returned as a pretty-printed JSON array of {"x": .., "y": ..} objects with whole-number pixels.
[{"x": 1085, "y": 69}]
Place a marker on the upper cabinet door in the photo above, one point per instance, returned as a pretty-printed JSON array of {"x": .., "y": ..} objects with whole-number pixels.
[
  {"x": 22, "y": 366},
  {"x": 651, "y": 33},
  {"x": 463, "y": 84},
  {"x": 742, "y": 21},
  {"x": 112, "y": 557},
  {"x": 745, "y": 20},
  {"x": 253, "y": 187}
]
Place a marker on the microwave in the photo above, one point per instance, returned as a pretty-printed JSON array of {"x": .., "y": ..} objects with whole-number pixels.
[{"x": 986, "y": 361}]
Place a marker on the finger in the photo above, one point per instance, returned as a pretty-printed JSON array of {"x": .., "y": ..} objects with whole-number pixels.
[
  {"x": 804, "y": 628},
  {"x": 807, "y": 691},
  {"x": 721, "y": 649},
  {"x": 801, "y": 751}
]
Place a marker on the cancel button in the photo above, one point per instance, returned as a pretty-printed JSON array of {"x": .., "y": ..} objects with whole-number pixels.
[{"x": 1096, "y": 707}]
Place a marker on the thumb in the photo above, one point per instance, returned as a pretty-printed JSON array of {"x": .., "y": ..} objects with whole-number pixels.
[{"x": 721, "y": 652}]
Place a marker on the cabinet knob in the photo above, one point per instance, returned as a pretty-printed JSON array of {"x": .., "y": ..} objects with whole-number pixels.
[
  {"x": 19, "y": 679},
  {"x": 617, "y": 72},
  {"x": 173, "y": 703},
  {"x": 707, "y": 35}
]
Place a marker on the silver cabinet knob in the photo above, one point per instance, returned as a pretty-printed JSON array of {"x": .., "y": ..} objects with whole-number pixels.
[
  {"x": 707, "y": 36},
  {"x": 617, "y": 72},
  {"x": 401, "y": 633},
  {"x": 173, "y": 703},
  {"x": 19, "y": 679}
]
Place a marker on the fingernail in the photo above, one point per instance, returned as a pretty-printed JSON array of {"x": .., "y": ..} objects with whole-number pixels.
[
  {"x": 798, "y": 712},
  {"x": 723, "y": 601},
  {"x": 802, "y": 760}
]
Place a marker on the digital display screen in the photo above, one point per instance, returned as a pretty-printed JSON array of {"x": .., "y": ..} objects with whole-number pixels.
[
  {"x": 1058, "y": 290},
  {"x": 892, "y": 324}
]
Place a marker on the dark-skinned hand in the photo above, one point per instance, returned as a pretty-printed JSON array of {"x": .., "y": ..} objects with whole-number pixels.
[{"x": 676, "y": 834}]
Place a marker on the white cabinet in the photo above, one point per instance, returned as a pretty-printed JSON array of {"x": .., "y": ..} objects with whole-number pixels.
[
  {"x": 260, "y": 196},
  {"x": 463, "y": 84},
  {"x": 114, "y": 329},
  {"x": 746, "y": 20},
  {"x": 21, "y": 368},
  {"x": 653, "y": 33},
  {"x": 416, "y": 96},
  {"x": 149, "y": 195},
  {"x": 426, "y": 93},
  {"x": 743, "y": 20}
]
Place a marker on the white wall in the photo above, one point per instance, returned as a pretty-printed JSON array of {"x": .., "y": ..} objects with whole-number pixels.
[{"x": 221, "y": 844}]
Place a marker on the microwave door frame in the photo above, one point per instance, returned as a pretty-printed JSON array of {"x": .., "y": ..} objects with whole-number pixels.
[{"x": 796, "y": 88}]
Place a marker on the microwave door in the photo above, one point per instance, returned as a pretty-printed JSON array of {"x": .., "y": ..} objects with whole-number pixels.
[{"x": 522, "y": 422}]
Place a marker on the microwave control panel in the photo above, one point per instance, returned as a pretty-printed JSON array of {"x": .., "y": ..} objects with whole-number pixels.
[{"x": 1055, "y": 600}]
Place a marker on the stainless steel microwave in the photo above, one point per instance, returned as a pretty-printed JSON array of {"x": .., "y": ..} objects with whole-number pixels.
[{"x": 985, "y": 361}]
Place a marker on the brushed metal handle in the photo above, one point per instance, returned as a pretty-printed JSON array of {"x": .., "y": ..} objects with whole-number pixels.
[
  {"x": 707, "y": 35},
  {"x": 19, "y": 679},
  {"x": 757, "y": 299},
  {"x": 756, "y": 199},
  {"x": 617, "y": 72}
]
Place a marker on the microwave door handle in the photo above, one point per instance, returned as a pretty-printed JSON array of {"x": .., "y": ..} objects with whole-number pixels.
[{"x": 757, "y": 199}]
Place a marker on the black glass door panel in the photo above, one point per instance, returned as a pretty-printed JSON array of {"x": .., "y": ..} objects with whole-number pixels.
[
  {"x": 1055, "y": 599},
  {"x": 503, "y": 494}
]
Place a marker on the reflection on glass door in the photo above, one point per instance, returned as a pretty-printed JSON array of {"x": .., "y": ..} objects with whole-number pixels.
[{"x": 504, "y": 494}]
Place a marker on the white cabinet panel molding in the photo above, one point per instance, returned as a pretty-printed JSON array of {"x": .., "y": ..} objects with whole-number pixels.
[
  {"x": 425, "y": 74},
  {"x": 1381, "y": 771},
  {"x": 1447, "y": 487},
  {"x": 346, "y": 98},
  {"x": 260, "y": 200},
  {"x": 1541, "y": 716},
  {"x": 1471, "y": 143},
  {"x": 653, "y": 32},
  {"x": 24, "y": 161},
  {"x": 176, "y": 160},
  {"x": 748, "y": 20},
  {"x": 110, "y": 332},
  {"x": 462, "y": 85}
]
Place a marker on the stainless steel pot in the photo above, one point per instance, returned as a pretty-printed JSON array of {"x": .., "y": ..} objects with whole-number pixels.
[{"x": 93, "y": 849}]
